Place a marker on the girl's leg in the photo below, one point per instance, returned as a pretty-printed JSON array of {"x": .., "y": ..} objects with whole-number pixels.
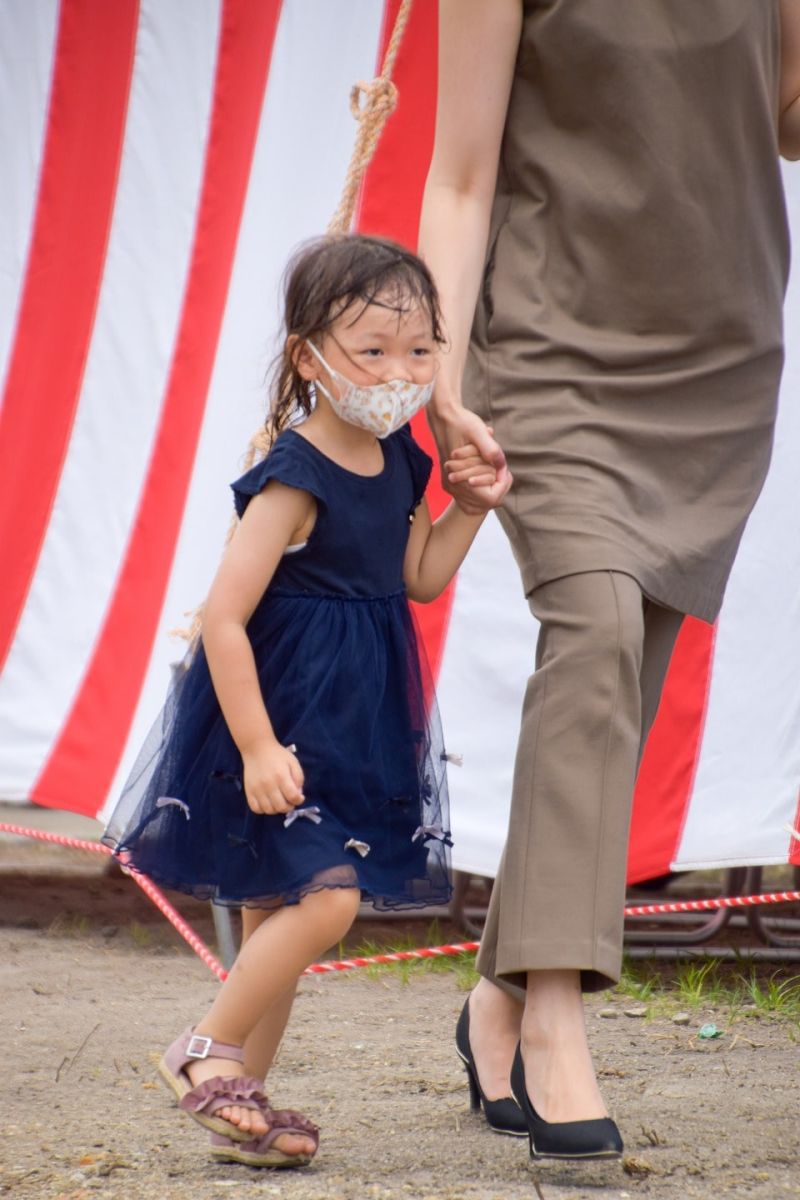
[
  {"x": 268, "y": 965},
  {"x": 262, "y": 1044},
  {"x": 558, "y": 904}
]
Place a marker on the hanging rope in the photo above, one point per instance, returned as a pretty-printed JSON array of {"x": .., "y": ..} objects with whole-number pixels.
[{"x": 371, "y": 105}]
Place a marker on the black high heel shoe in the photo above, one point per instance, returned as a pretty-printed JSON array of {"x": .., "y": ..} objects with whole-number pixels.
[
  {"x": 598, "y": 1138},
  {"x": 503, "y": 1116}
]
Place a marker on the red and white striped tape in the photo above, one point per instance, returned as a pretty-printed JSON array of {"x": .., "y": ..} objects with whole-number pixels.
[{"x": 348, "y": 964}]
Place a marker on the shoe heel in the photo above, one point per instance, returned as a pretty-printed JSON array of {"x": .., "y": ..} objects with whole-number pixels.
[{"x": 474, "y": 1089}]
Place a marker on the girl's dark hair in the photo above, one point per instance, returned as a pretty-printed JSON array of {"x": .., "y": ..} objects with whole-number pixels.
[{"x": 326, "y": 278}]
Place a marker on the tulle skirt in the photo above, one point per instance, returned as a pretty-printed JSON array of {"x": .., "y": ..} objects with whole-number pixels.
[{"x": 343, "y": 682}]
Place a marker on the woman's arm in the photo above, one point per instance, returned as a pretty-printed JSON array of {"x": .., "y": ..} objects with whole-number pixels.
[
  {"x": 436, "y": 551},
  {"x": 478, "y": 44},
  {"x": 273, "y": 778},
  {"x": 789, "y": 122}
]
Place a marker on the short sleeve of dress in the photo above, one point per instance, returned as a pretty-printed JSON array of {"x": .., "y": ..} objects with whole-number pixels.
[
  {"x": 287, "y": 462},
  {"x": 421, "y": 464}
]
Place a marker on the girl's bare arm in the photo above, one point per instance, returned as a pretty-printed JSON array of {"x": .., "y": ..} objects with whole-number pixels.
[
  {"x": 274, "y": 518},
  {"x": 436, "y": 551},
  {"x": 789, "y": 123}
]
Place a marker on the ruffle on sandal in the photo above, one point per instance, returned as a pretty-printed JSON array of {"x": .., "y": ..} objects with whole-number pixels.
[
  {"x": 260, "y": 1152},
  {"x": 222, "y": 1091},
  {"x": 202, "y": 1101}
]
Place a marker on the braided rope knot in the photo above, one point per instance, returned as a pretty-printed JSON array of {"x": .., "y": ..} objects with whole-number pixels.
[
  {"x": 379, "y": 98},
  {"x": 371, "y": 105}
]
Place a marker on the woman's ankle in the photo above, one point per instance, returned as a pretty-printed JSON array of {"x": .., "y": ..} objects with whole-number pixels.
[{"x": 498, "y": 1004}]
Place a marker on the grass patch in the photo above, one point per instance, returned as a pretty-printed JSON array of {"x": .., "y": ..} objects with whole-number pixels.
[
  {"x": 708, "y": 983},
  {"x": 775, "y": 995},
  {"x": 460, "y": 965},
  {"x": 741, "y": 989},
  {"x": 69, "y": 925},
  {"x": 140, "y": 935}
]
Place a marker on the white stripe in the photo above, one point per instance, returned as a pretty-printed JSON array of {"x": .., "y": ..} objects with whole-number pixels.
[
  {"x": 27, "y": 46},
  {"x": 138, "y": 311},
  {"x": 748, "y": 776},
  {"x": 489, "y": 654},
  {"x": 302, "y": 151}
]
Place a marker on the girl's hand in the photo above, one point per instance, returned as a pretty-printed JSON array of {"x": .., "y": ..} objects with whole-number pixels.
[
  {"x": 466, "y": 466},
  {"x": 457, "y": 428},
  {"x": 273, "y": 779}
]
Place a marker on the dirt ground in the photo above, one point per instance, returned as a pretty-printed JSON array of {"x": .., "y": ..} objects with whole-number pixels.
[{"x": 95, "y": 983}]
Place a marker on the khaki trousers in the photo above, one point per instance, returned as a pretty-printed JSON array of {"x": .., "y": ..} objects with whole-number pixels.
[{"x": 602, "y": 655}]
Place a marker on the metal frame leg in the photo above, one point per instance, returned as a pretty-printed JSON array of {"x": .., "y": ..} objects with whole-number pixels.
[
  {"x": 458, "y": 912},
  {"x": 733, "y": 884},
  {"x": 223, "y": 930},
  {"x": 765, "y": 928}
]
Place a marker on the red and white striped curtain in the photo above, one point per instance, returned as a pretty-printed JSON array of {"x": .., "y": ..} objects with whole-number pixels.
[{"x": 160, "y": 160}]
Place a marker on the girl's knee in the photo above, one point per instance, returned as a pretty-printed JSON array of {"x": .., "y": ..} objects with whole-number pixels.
[
  {"x": 336, "y": 906},
  {"x": 253, "y": 918}
]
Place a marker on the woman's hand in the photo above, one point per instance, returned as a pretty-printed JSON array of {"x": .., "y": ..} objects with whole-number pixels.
[
  {"x": 273, "y": 778},
  {"x": 459, "y": 430}
]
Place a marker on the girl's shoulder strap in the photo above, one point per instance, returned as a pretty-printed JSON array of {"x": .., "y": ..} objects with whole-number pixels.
[
  {"x": 288, "y": 461},
  {"x": 420, "y": 463}
]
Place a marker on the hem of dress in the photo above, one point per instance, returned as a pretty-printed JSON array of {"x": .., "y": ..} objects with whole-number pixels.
[{"x": 208, "y": 893}]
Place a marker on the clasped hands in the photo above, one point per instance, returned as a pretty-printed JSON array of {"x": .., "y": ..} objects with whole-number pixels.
[{"x": 474, "y": 469}]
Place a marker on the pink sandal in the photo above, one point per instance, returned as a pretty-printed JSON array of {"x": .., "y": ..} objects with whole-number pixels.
[
  {"x": 205, "y": 1099},
  {"x": 259, "y": 1152}
]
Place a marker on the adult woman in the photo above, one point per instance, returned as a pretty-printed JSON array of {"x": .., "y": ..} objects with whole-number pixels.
[{"x": 604, "y": 211}]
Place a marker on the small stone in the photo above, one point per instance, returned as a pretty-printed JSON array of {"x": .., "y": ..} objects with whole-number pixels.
[
  {"x": 640, "y": 1010},
  {"x": 608, "y": 1012},
  {"x": 681, "y": 1018},
  {"x": 639, "y": 1168},
  {"x": 109, "y": 931}
]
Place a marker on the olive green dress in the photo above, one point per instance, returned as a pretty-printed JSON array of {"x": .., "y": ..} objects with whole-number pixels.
[{"x": 627, "y": 344}]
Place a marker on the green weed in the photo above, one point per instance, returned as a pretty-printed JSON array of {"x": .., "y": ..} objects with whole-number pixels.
[
  {"x": 462, "y": 965},
  {"x": 774, "y": 995},
  {"x": 141, "y": 936},
  {"x": 69, "y": 925},
  {"x": 699, "y": 983}
]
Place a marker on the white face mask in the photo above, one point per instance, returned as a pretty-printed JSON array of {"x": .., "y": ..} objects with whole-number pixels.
[{"x": 380, "y": 408}]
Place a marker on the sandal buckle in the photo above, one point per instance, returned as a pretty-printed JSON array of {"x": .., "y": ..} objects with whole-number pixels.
[{"x": 199, "y": 1046}]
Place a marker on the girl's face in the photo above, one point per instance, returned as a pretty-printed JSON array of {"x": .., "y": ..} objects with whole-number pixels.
[{"x": 380, "y": 344}]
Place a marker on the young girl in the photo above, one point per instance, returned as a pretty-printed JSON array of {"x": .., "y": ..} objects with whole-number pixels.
[{"x": 297, "y": 766}]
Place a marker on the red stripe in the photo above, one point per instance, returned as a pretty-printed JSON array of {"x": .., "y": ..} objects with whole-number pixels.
[
  {"x": 390, "y": 204},
  {"x": 794, "y": 842},
  {"x": 81, "y": 767},
  {"x": 86, "y": 122},
  {"x": 666, "y": 777}
]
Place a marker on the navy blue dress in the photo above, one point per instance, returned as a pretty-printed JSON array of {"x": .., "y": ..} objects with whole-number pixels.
[{"x": 340, "y": 671}]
